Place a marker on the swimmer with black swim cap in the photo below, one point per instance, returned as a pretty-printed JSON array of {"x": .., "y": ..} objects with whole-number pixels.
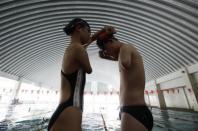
[{"x": 75, "y": 65}]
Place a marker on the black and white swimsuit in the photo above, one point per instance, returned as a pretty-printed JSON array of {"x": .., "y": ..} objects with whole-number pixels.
[{"x": 77, "y": 82}]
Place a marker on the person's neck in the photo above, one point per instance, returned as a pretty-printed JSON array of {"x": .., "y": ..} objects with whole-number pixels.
[{"x": 75, "y": 40}]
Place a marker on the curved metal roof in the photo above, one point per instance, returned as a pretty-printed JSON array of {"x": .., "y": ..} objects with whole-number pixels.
[{"x": 33, "y": 43}]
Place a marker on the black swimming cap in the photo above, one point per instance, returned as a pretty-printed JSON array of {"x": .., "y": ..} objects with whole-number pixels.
[{"x": 69, "y": 28}]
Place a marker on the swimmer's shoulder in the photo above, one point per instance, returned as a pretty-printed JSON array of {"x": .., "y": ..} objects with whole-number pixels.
[
  {"x": 127, "y": 46},
  {"x": 75, "y": 48},
  {"x": 130, "y": 49}
]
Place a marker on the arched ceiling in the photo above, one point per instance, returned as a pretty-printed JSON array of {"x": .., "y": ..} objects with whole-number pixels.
[{"x": 32, "y": 42}]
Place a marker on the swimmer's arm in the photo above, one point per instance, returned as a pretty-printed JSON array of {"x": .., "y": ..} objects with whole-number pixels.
[
  {"x": 92, "y": 39},
  {"x": 83, "y": 59},
  {"x": 108, "y": 29}
]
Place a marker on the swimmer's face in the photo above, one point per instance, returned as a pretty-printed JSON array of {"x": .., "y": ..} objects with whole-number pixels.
[
  {"x": 85, "y": 33},
  {"x": 111, "y": 47}
]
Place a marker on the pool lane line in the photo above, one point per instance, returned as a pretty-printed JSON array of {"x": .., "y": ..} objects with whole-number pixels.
[{"x": 105, "y": 127}]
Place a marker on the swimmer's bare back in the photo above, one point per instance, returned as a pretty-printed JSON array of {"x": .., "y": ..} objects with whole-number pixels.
[{"x": 132, "y": 76}]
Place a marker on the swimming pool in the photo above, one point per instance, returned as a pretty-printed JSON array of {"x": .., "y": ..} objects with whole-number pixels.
[{"x": 168, "y": 120}]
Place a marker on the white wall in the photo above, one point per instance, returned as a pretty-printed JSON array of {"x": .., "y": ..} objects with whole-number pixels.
[
  {"x": 177, "y": 82},
  {"x": 173, "y": 86},
  {"x": 176, "y": 99},
  {"x": 7, "y": 87},
  {"x": 153, "y": 99},
  {"x": 195, "y": 79},
  {"x": 172, "y": 97}
]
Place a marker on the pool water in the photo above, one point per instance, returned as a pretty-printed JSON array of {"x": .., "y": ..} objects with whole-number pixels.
[{"x": 164, "y": 120}]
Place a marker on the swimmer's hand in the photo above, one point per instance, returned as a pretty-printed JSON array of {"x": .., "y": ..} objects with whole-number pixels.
[
  {"x": 107, "y": 29},
  {"x": 92, "y": 39},
  {"x": 86, "y": 45}
]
